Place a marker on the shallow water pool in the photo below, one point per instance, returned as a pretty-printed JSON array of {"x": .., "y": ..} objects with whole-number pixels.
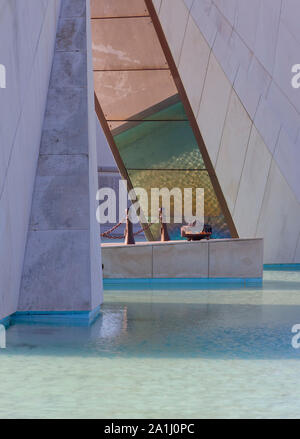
[{"x": 190, "y": 351}]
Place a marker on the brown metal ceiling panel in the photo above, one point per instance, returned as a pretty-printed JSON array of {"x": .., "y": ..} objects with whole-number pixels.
[
  {"x": 133, "y": 94},
  {"x": 118, "y": 8},
  {"x": 126, "y": 43}
]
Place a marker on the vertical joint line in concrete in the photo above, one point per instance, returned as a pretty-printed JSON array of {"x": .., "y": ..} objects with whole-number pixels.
[
  {"x": 205, "y": 77},
  {"x": 297, "y": 244},
  {"x": 184, "y": 34},
  {"x": 243, "y": 167},
  {"x": 208, "y": 259},
  {"x": 268, "y": 177},
  {"x": 152, "y": 262}
]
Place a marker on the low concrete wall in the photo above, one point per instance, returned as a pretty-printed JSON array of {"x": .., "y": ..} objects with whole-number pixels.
[{"x": 226, "y": 258}]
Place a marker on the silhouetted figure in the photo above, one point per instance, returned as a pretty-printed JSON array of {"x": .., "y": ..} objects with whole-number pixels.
[
  {"x": 129, "y": 237},
  {"x": 164, "y": 234}
]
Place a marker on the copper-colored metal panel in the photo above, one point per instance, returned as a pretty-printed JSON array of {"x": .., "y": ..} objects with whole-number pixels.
[
  {"x": 133, "y": 94},
  {"x": 118, "y": 8},
  {"x": 126, "y": 44}
]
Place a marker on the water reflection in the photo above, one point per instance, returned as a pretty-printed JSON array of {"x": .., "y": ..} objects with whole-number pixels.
[
  {"x": 179, "y": 320},
  {"x": 178, "y": 330},
  {"x": 162, "y": 352}
]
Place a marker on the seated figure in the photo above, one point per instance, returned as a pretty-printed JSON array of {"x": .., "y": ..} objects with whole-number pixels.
[{"x": 196, "y": 231}]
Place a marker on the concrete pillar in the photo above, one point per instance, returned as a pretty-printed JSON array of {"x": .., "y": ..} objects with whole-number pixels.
[
  {"x": 62, "y": 268},
  {"x": 27, "y": 39}
]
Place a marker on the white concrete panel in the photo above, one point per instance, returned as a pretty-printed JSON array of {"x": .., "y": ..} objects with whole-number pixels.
[
  {"x": 240, "y": 50},
  {"x": 47, "y": 264},
  {"x": 284, "y": 110},
  {"x": 20, "y": 180},
  {"x": 182, "y": 260},
  {"x": 247, "y": 93},
  {"x": 278, "y": 222},
  {"x": 259, "y": 77},
  {"x": 157, "y": 5},
  {"x": 28, "y": 36},
  {"x": 188, "y": 3},
  {"x": 228, "y": 9},
  {"x": 297, "y": 253},
  {"x": 246, "y": 258},
  {"x": 174, "y": 16},
  {"x": 193, "y": 64},
  {"x": 11, "y": 95},
  {"x": 224, "y": 28},
  {"x": 246, "y": 20},
  {"x": 21, "y": 173},
  {"x": 256, "y": 37},
  {"x": 200, "y": 12},
  {"x": 252, "y": 186},
  {"x": 7, "y": 295},
  {"x": 252, "y": 85},
  {"x": 267, "y": 31},
  {"x": 233, "y": 149},
  {"x": 221, "y": 46},
  {"x": 290, "y": 16},
  {"x": 287, "y": 156},
  {"x": 227, "y": 59},
  {"x": 287, "y": 55},
  {"x": 213, "y": 107},
  {"x": 267, "y": 123},
  {"x": 127, "y": 261},
  {"x": 3, "y": 166}
]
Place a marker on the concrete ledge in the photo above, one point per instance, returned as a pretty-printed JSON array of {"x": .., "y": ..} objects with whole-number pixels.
[
  {"x": 216, "y": 259},
  {"x": 56, "y": 317},
  {"x": 282, "y": 267},
  {"x": 181, "y": 284}
]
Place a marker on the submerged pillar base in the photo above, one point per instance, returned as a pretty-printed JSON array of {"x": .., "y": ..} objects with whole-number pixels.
[{"x": 83, "y": 318}]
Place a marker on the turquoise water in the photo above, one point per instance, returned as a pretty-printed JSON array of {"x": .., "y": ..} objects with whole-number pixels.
[{"x": 185, "y": 352}]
